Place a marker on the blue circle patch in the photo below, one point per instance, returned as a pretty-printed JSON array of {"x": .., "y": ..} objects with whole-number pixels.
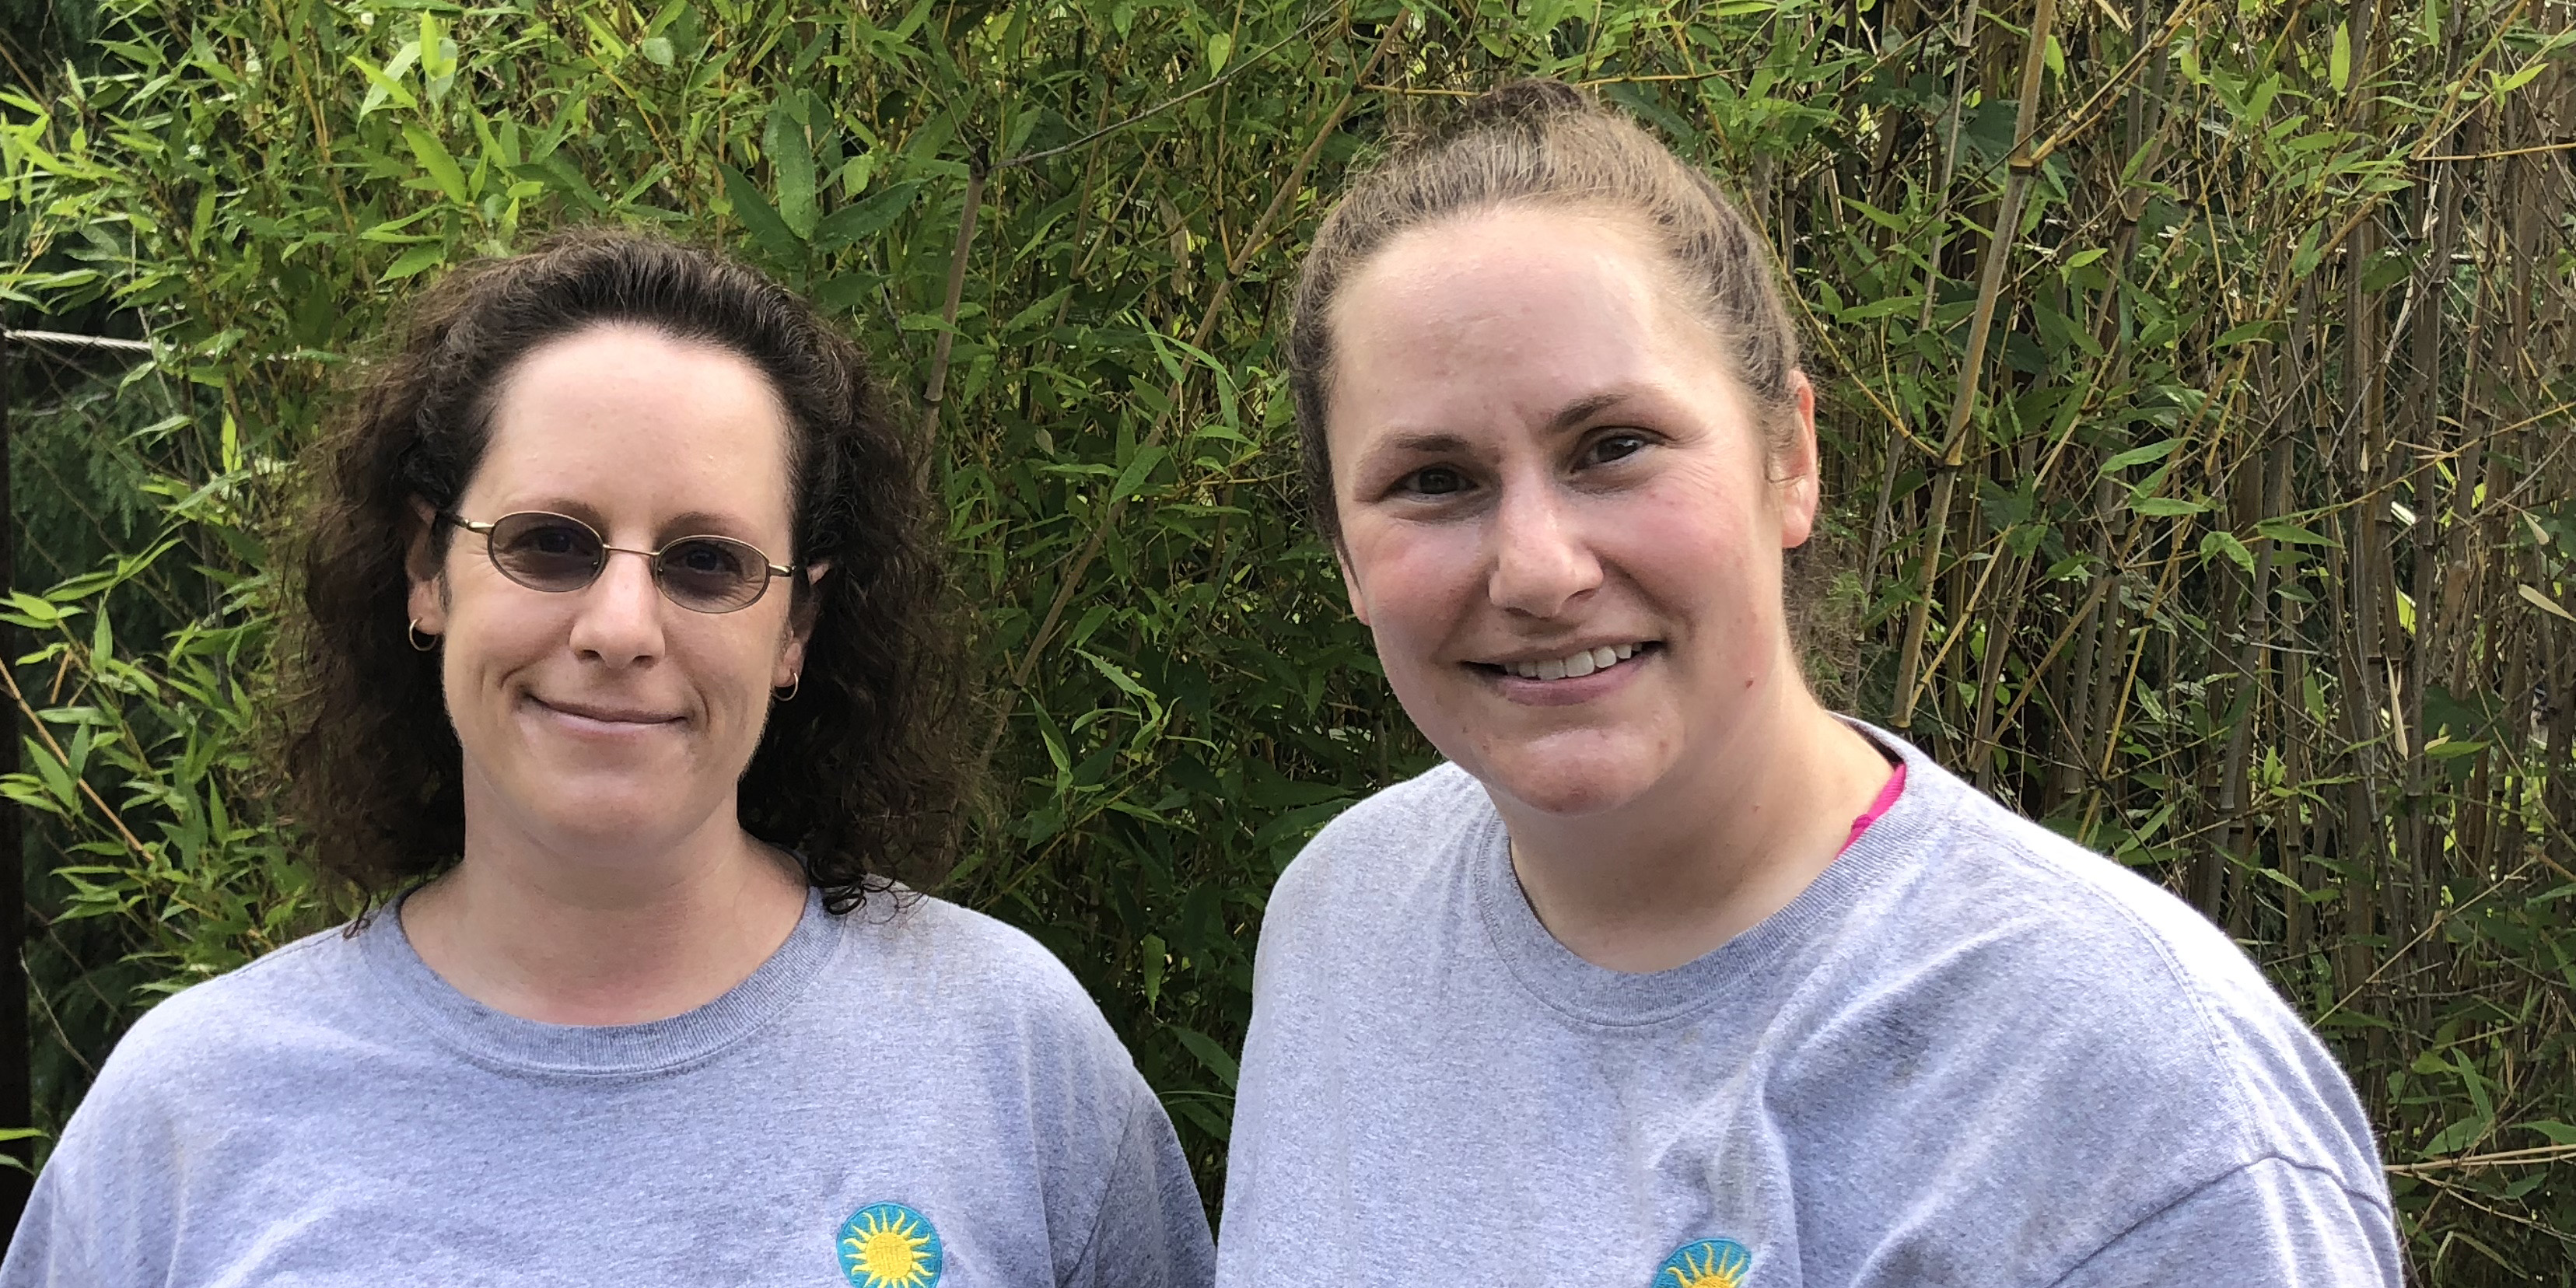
[
  {"x": 1708, "y": 1263},
  {"x": 888, "y": 1245}
]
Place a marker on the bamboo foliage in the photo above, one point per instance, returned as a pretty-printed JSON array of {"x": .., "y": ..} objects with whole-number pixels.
[{"x": 2197, "y": 385}]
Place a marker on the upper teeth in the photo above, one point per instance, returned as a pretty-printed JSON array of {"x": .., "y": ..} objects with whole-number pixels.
[{"x": 1573, "y": 665}]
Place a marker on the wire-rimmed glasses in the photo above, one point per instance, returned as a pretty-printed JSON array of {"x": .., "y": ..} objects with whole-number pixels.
[{"x": 558, "y": 554}]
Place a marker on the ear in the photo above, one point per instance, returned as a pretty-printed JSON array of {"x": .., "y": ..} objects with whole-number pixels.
[
  {"x": 1350, "y": 581},
  {"x": 427, "y": 602},
  {"x": 800, "y": 628},
  {"x": 1797, "y": 468}
]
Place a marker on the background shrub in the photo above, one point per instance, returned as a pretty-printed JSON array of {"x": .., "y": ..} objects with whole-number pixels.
[{"x": 2197, "y": 387}]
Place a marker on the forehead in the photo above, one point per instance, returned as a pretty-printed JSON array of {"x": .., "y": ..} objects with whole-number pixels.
[
  {"x": 630, "y": 415},
  {"x": 1508, "y": 309}
]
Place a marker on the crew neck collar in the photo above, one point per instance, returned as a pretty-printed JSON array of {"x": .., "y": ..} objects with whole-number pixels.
[
  {"x": 504, "y": 1041},
  {"x": 1599, "y": 995}
]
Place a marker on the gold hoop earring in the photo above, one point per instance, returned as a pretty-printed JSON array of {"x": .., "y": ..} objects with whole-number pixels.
[
  {"x": 794, "y": 682},
  {"x": 414, "y": 634}
]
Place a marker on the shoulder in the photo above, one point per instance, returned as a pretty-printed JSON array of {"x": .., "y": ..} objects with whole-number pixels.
[
  {"x": 238, "y": 1023},
  {"x": 2005, "y": 883},
  {"x": 2101, "y": 981},
  {"x": 971, "y": 969},
  {"x": 187, "y": 1070},
  {"x": 1385, "y": 844}
]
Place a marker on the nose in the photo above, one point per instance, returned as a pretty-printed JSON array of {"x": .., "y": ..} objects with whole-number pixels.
[
  {"x": 1542, "y": 558},
  {"x": 619, "y": 619}
]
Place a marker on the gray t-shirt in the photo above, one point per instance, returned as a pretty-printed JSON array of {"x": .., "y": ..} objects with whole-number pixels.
[
  {"x": 907, "y": 1096},
  {"x": 1972, "y": 1053}
]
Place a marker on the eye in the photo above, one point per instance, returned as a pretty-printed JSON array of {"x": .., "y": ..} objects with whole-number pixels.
[
  {"x": 555, "y": 540},
  {"x": 706, "y": 558},
  {"x": 1615, "y": 446},
  {"x": 1433, "y": 480},
  {"x": 544, "y": 538}
]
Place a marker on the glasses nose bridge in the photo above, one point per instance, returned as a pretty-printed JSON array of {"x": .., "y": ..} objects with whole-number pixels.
[
  {"x": 652, "y": 570},
  {"x": 652, "y": 558}
]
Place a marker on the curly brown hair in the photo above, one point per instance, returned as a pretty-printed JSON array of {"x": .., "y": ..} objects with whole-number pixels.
[{"x": 861, "y": 774}]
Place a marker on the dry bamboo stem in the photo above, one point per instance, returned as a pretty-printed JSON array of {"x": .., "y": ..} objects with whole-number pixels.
[{"x": 1998, "y": 251}]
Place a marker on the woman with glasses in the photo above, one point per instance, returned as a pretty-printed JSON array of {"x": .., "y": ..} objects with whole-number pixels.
[
  {"x": 621, "y": 669},
  {"x": 1671, "y": 976}
]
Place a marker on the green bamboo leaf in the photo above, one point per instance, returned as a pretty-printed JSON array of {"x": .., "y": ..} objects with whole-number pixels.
[
  {"x": 2166, "y": 507},
  {"x": 2339, "y": 62},
  {"x": 58, "y": 781},
  {"x": 412, "y": 262},
  {"x": 1134, "y": 476},
  {"x": 434, "y": 157},
  {"x": 1150, "y": 952},
  {"x": 2521, "y": 77},
  {"x": 2141, "y": 455},
  {"x": 759, "y": 219},
  {"x": 2225, "y": 543},
  {"x": 1209, "y": 1053},
  {"x": 2248, "y": 333},
  {"x": 383, "y": 85},
  {"x": 791, "y": 169},
  {"x": 2457, "y": 1136},
  {"x": 2288, "y": 533},
  {"x": 1126, "y": 683}
]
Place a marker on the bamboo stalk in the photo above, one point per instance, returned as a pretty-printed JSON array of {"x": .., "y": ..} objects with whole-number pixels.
[
  {"x": 1972, "y": 369},
  {"x": 937, "y": 387},
  {"x": 1253, "y": 243}
]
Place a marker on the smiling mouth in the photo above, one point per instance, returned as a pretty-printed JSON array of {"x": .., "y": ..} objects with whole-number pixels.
[
  {"x": 1572, "y": 666},
  {"x": 605, "y": 715}
]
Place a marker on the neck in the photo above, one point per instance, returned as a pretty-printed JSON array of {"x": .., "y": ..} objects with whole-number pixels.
[
  {"x": 1708, "y": 852},
  {"x": 566, "y": 937}
]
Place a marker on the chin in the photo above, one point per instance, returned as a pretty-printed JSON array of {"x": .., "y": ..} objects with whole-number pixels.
[
  {"x": 1561, "y": 785},
  {"x": 622, "y": 819}
]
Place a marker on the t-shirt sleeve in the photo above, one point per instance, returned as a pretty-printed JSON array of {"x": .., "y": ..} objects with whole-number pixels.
[
  {"x": 1151, "y": 1232},
  {"x": 51, "y": 1247},
  {"x": 90, "y": 1221},
  {"x": 2270, "y": 1224}
]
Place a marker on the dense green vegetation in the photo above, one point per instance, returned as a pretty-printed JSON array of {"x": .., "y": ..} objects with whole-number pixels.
[{"x": 2198, "y": 385}]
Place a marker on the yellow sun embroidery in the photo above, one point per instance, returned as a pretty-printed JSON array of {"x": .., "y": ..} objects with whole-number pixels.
[
  {"x": 1709, "y": 1263},
  {"x": 888, "y": 1245}
]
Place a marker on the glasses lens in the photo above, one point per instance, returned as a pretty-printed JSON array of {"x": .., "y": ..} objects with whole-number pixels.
[
  {"x": 711, "y": 574},
  {"x": 546, "y": 551}
]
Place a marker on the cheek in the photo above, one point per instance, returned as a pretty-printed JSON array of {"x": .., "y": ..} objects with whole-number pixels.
[
  {"x": 735, "y": 666},
  {"x": 1418, "y": 581},
  {"x": 1690, "y": 544},
  {"x": 487, "y": 639}
]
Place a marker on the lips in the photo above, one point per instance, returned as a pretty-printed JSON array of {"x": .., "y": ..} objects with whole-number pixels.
[
  {"x": 607, "y": 714},
  {"x": 1574, "y": 664}
]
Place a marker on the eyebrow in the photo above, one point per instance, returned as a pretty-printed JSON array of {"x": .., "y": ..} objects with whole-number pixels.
[
  {"x": 688, "y": 523},
  {"x": 1421, "y": 444},
  {"x": 1435, "y": 443},
  {"x": 1581, "y": 410},
  {"x": 699, "y": 523}
]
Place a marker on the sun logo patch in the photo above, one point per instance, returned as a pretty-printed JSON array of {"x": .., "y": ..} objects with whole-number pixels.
[
  {"x": 888, "y": 1245},
  {"x": 1709, "y": 1263}
]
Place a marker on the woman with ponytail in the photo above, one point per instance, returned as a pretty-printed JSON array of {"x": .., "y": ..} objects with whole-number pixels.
[{"x": 1671, "y": 976}]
